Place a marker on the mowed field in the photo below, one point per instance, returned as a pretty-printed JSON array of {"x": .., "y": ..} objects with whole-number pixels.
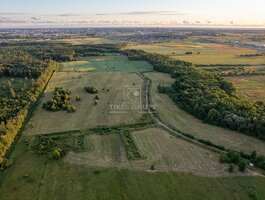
[
  {"x": 106, "y": 63},
  {"x": 156, "y": 146},
  {"x": 203, "y": 53},
  {"x": 33, "y": 176},
  {"x": 172, "y": 115},
  {"x": 88, "y": 114},
  {"x": 251, "y": 87}
]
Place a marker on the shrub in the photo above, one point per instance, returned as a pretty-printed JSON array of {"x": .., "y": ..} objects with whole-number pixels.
[
  {"x": 91, "y": 90},
  {"x": 6, "y": 163},
  {"x": 242, "y": 166},
  {"x": 98, "y": 171},
  {"x": 231, "y": 168},
  {"x": 152, "y": 167},
  {"x": 57, "y": 154},
  {"x": 77, "y": 98}
]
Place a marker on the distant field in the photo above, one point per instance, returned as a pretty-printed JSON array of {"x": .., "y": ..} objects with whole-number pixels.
[
  {"x": 174, "y": 116},
  {"x": 106, "y": 63},
  {"x": 237, "y": 70},
  {"x": 203, "y": 53},
  {"x": 156, "y": 146},
  {"x": 92, "y": 40},
  {"x": 35, "y": 177},
  {"x": 88, "y": 114},
  {"x": 252, "y": 87}
]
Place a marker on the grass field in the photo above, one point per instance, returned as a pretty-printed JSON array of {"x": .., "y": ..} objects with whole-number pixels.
[
  {"x": 209, "y": 53},
  {"x": 106, "y": 63},
  {"x": 252, "y": 87},
  {"x": 156, "y": 146},
  {"x": 174, "y": 116},
  {"x": 36, "y": 177},
  {"x": 88, "y": 114}
]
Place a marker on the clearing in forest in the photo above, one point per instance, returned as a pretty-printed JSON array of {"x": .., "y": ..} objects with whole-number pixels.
[{"x": 106, "y": 64}]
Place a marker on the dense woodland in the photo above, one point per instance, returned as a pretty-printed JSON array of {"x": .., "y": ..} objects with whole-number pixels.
[{"x": 207, "y": 96}]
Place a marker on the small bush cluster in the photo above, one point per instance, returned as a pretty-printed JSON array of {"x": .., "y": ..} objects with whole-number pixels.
[
  {"x": 233, "y": 157},
  {"x": 131, "y": 150},
  {"x": 6, "y": 163},
  {"x": 258, "y": 161},
  {"x": 50, "y": 147},
  {"x": 91, "y": 90},
  {"x": 61, "y": 101}
]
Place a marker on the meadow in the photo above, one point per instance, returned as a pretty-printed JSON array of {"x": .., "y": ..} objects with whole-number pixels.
[
  {"x": 202, "y": 53},
  {"x": 36, "y": 177},
  {"x": 251, "y": 87},
  {"x": 157, "y": 147},
  {"x": 172, "y": 115},
  {"x": 111, "y": 91},
  {"x": 106, "y": 63}
]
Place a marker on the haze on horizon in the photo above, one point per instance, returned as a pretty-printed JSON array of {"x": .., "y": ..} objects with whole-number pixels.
[{"x": 123, "y": 13}]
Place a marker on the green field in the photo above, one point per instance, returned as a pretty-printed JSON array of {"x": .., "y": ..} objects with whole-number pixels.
[
  {"x": 35, "y": 177},
  {"x": 106, "y": 63},
  {"x": 202, "y": 53},
  {"x": 111, "y": 90}
]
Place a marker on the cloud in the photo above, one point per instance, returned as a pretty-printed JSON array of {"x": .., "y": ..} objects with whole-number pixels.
[
  {"x": 12, "y": 14},
  {"x": 8, "y": 20},
  {"x": 67, "y": 15},
  {"x": 155, "y": 13},
  {"x": 36, "y": 18},
  {"x": 144, "y": 13}
]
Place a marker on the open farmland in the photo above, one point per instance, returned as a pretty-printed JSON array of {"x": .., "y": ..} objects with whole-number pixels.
[
  {"x": 35, "y": 177},
  {"x": 172, "y": 115},
  {"x": 156, "y": 146},
  {"x": 106, "y": 63},
  {"x": 89, "y": 40},
  {"x": 202, "y": 53},
  {"x": 252, "y": 87},
  {"x": 87, "y": 114}
]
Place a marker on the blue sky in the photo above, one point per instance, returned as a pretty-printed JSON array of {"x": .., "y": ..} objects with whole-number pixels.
[{"x": 22, "y": 13}]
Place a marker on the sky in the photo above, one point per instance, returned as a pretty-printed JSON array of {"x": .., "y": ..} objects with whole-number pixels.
[{"x": 123, "y": 13}]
